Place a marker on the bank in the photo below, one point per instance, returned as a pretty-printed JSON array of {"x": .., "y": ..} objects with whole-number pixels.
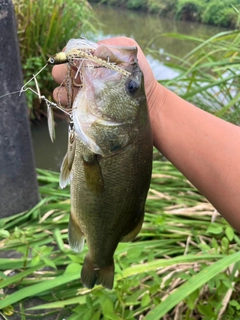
[{"x": 223, "y": 13}]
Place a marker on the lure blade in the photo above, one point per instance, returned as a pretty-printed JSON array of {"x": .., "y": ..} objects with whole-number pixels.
[
  {"x": 37, "y": 88},
  {"x": 51, "y": 127},
  {"x": 71, "y": 144},
  {"x": 66, "y": 167}
]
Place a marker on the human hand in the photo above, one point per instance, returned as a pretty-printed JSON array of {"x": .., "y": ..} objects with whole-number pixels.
[{"x": 59, "y": 72}]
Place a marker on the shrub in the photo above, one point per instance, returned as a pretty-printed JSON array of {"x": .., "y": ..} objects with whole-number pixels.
[
  {"x": 220, "y": 13},
  {"x": 136, "y": 4},
  {"x": 164, "y": 8},
  {"x": 190, "y": 10}
]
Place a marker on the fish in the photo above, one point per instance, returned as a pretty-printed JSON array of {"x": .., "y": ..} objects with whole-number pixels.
[{"x": 110, "y": 162}]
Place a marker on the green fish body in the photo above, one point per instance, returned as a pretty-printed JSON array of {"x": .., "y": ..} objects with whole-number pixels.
[{"x": 111, "y": 167}]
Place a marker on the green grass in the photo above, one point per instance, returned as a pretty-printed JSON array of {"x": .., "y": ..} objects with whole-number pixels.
[{"x": 180, "y": 264}]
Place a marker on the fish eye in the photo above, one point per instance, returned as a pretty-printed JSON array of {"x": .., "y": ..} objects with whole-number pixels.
[
  {"x": 51, "y": 60},
  {"x": 132, "y": 86}
]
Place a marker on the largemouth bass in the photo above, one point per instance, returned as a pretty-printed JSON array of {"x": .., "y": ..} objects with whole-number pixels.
[{"x": 109, "y": 159}]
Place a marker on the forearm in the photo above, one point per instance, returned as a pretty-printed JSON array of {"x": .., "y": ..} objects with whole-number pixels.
[{"x": 204, "y": 148}]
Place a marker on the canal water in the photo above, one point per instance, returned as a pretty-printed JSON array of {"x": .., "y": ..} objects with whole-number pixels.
[{"x": 150, "y": 32}]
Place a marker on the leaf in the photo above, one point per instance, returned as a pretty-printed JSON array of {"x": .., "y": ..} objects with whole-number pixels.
[
  {"x": 145, "y": 300},
  {"x": 214, "y": 244},
  {"x": 225, "y": 243},
  {"x": 107, "y": 306},
  {"x": 161, "y": 263},
  {"x": 231, "y": 103},
  {"x": 191, "y": 285},
  {"x": 235, "y": 304},
  {"x": 35, "y": 260},
  {"x": 8, "y": 263},
  {"x": 8, "y": 311},
  {"x": 73, "y": 268},
  {"x": 4, "y": 233},
  {"x": 214, "y": 229},
  {"x": 19, "y": 276},
  {"x": 206, "y": 310},
  {"x": 36, "y": 289},
  {"x": 49, "y": 263},
  {"x": 61, "y": 303},
  {"x": 229, "y": 233},
  {"x": 58, "y": 238}
]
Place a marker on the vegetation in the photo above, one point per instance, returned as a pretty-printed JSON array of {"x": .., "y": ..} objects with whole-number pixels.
[
  {"x": 184, "y": 263},
  {"x": 222, "y": 13},
  {"x": 209, "y": 74},
  {"x": 44, "y": 27}
]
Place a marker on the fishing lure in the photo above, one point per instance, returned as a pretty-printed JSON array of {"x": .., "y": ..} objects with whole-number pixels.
[
  {"x": 78, "y": 49},
  {"x": 67, "y": 163}
]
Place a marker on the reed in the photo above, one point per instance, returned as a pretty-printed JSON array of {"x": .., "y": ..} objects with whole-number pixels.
[{"x": 209, "y": 74}]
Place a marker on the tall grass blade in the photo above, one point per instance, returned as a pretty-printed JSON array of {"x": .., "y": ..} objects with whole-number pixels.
[
  {"x": 36, "y": 289},
  {"x": 191, "y": 285}
]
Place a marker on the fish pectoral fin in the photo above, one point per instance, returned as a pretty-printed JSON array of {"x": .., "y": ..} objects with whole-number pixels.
[
  {"x": 93, "y": 174},
  {"x": 64, "y": 173},
  {"x": 91, "y": 275},
  {"x": 134, "y": 232},
  {"x": 75, "y": 236}
]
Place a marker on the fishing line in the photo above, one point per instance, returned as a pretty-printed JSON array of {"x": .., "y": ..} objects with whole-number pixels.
[
  {"x": 23, "y": 89},
  {"x": 9, "y": 94},
  {"x": 37, "y": 93},
  {"x": 33, "y": 78},
  {"x": 73, "y": 54}
]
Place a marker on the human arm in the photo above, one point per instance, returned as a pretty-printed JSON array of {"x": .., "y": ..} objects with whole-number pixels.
[{"x": 203, "y": 147}]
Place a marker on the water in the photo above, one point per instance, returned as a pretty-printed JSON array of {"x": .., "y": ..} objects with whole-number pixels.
[
  {"x": 148, "y": 30},
  {"x": 49, "y": 155}
]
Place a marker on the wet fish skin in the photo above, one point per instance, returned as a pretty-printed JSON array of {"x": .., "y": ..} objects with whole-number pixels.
[{"x": 109, "y": 188}]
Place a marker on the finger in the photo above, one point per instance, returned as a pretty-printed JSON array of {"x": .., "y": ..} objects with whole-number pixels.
[
  {"x": 60, "y": 95},
  {"x": 119, "y": 41},
  {"x": 144, "y": 65},
  {"x": 124, "y": 41},
  {"x": 59, "y": 73}
]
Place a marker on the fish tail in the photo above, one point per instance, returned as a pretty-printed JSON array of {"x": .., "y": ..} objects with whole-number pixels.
[{"x": 92, "y": 275}]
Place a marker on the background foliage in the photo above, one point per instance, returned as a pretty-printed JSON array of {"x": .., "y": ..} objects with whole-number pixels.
[
  {"x": 184, "y": 263},
  {"x": 44, "y": 27},
  {"x": 213, "y": 12}
]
